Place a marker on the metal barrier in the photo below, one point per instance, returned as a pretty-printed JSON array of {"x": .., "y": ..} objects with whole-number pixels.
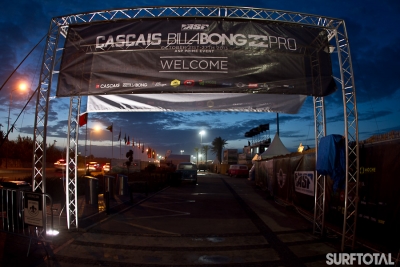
[
  {"x": 26, "y": 213},
  {"x": 122, "y": 185},
  {"x": 109, "y": 182},
  {"x": 92, "y": 191}
]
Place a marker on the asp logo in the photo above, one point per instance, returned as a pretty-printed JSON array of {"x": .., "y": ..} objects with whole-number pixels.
[{"x": 194, "y": 27}]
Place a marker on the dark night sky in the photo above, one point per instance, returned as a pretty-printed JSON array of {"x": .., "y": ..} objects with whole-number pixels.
[{"x": 374, "y": 43}]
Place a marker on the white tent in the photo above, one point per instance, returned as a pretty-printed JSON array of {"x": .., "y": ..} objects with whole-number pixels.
[
  {"x": 276, "y": 148},
  {"x": 255, "y": 158}
]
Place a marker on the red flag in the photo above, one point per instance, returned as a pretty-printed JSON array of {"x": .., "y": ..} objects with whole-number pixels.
[
  {"x": 128, "y": 143},
  {"x": 110, "y": 128},
  {"x": 83, "y": 119}
]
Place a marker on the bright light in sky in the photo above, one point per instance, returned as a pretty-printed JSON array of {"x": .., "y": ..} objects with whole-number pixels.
[{"x": 22, "y": 86}]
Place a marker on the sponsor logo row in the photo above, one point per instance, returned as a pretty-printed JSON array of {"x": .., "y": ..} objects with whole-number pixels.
[{"x": 176, "y": 83}]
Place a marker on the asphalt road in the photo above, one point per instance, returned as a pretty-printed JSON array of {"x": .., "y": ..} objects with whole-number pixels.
[{"x": 220, "y": 221}]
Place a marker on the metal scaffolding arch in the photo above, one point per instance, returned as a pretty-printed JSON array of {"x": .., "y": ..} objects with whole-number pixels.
[
  {"x": 319, "y": 197},
  {"x": 71, "y": 179},
  {"x": 336, "y": 31},
  {"x": 351, "y": 136},
  {"x": 42, "y": 107}
]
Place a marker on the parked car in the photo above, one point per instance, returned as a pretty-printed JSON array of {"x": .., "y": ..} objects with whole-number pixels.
[
  {"x": 107, "y": 167},
  {"x": 237, "y": 170},
  {"x": 60, "y": 165},
  {"x": 202, "y": 167},
  {"x": 188, "y": 171},
  {"x": 93, "y": 166}
]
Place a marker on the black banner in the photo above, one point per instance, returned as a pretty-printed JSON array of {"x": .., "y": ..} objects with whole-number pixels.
[{"x": 195, "y": 56}]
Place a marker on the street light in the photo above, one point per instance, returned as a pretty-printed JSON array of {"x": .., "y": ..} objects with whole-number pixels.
[
  {"x": 90, "y": 138},
  {"x": 201, "y": 137},
  {"x": 201, "y": 140},
  {"x": 21, "y": 87},
  {"x": 182, "y": 151}
]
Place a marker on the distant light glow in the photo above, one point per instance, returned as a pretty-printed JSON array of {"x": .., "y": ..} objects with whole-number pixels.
[
  {"x": 22, "y": 86},
  {"x": 52, "y": 232},
  {"x": 300, "y": 148},
  {"x": 201, "y": 136}
]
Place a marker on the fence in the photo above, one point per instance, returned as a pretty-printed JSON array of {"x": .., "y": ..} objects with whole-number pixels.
[
  {"x": 26, "y": 213},
  {"x": 291, "y": 179}
]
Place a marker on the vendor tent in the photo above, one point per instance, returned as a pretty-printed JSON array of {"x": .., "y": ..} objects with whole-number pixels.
[
  {"x": 255, "y": 158},
  {"x": 276, "y": 148}
]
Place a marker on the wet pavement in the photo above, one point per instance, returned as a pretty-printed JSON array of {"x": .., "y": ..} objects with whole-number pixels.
[{"x": 221, "y": 221}]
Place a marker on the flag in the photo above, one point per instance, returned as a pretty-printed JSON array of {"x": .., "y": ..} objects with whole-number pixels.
[
  {"x": 128, "y": 143},
  {"x": 133, "y": 142},
  {"x": 110, "y": 128},
  {"x": 142, "y": 148},
  {"x": 83, "y": 119},
  {"x": 125, "y": 139},
  {"x": 119, "y": 136}
]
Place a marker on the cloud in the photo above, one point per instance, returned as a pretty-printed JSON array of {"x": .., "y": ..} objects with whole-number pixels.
[{"x": 373, "y": 37}]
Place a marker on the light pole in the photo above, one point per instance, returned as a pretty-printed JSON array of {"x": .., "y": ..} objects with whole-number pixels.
[
  {"x": 201, "y": 137},
  {"x": 201, "y": 140},
  {"x": 90, "y": 138},
  {"x": 90, "y": 142},
  {"x": 21, "y": 87}
]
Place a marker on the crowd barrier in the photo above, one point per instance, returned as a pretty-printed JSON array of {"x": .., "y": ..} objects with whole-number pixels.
[{"x": 26, "y": 213}]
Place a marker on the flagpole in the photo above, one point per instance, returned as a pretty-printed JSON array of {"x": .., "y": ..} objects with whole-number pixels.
[
  {"x": 85, "y": 146},
  {"x": 112, "y": 142}
]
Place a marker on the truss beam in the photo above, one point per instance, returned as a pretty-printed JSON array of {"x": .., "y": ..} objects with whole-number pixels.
[
  {"x": 71, "y": 180},
  {"x": 319, "y": 197},
  {"x": 336, "y": 31}
]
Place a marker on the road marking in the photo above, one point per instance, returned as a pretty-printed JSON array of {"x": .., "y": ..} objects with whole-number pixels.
[
  {"x": 152, "y": 229},
  {"x": 179, "y": 213}
]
